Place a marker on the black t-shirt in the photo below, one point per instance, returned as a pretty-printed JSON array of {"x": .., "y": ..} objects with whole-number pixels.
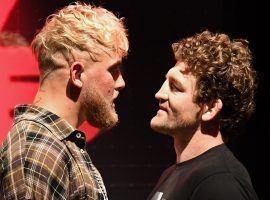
[{"x": 214, "y": 175}]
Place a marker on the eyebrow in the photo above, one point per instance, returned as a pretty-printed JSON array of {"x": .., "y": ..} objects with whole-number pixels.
[
  {"x": 117, "y": 64},
  {"x": 175, "y": 81}
]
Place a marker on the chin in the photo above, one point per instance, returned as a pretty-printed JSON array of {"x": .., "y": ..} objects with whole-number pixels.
[
  {"x": 113, "y": 122},
  {"x": 103, "y": 120},
  {"x": 158, "y": 125},
  {"x": 157, "y": 119},
  {"x": 160, "y": 129},
  {"x": 110, "y": 122}
]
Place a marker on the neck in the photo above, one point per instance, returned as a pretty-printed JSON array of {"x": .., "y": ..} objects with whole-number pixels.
[
  {"x": 195, "y": 145},
  {"x": 53, "y": 97}
]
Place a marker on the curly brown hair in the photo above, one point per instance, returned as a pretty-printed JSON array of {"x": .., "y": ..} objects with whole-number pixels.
[{"x": 223, "y": 68}]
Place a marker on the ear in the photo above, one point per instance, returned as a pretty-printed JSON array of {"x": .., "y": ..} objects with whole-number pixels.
[
  {"x": 212, "y": 110},
  {"x": 76, "y": 70}
]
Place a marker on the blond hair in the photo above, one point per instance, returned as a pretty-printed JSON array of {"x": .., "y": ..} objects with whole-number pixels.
[{"x": 79, "y": 27}]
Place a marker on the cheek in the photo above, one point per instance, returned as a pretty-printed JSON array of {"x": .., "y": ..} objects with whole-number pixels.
[
  {"x": 107, "y": 85},
  {"x": 183, "y": 105},
  {"x": 190, "y": 111}
]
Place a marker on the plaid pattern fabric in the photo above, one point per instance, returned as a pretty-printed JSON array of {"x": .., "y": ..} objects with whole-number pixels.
[{"x": 43, "y": 157}]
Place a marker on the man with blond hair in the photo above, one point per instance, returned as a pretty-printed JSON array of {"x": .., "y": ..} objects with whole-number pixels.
[{"x": 79, "y": 51}]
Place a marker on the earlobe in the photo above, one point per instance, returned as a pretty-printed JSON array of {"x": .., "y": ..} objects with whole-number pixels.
[
  {"x": 78, "y": 83},
  {"x": 212, "y": 110},
  {"x": 76, "y": 70}
]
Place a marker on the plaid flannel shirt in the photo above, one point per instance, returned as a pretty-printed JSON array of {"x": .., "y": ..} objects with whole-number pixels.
[{"x": 43, "y": 157}]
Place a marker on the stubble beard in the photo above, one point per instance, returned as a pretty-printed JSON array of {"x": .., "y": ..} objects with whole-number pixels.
[
  {"x": 159, "y": 125},
  {"x": 171, "y": 127}
]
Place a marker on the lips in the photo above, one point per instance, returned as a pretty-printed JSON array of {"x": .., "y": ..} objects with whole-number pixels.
[
  {"x": 162, "y": 108},
  {"x": 115, "y": 95},
  {"x": 114, "y": 98}
]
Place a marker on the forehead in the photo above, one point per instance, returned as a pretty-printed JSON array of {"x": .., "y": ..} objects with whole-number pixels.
[{"x": 178, "y": 73}]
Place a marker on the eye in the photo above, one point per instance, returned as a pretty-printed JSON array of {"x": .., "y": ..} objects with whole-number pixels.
[
  {"x": 174, "y": 87},
  {"x": 115, "y": 72}
]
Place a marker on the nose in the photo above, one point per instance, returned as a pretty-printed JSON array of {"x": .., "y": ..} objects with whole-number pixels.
[
  {"x": 162, "y": 94},
  {"x": 120, "y": 83}
]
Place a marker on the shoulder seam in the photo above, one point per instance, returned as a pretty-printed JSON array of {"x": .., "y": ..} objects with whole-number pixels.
[{"x": 35, "y": 121}]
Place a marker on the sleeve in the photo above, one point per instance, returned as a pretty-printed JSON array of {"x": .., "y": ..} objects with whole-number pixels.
[
  {"x": 220, "y": 187},
  {"x": 38, "y": 168}
]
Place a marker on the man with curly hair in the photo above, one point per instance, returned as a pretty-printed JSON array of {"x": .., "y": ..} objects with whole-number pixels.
[
  {"x": 79, "y": 51},
  {"x": 206, "y": 98}
]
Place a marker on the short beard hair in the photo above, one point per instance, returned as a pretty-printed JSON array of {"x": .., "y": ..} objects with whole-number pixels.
[{"x": 99, "y": 112}]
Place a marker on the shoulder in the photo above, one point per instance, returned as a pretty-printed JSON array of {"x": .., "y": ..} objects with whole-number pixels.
[
  {"x": 31, "y": 140},
  {"x": 31, "y": 155},
  {"x": 219, "y": 160},
  {"x": 219, "y": 173},
  {"x": 223, "y": 186},
  {"x": 31, "y": 131}
]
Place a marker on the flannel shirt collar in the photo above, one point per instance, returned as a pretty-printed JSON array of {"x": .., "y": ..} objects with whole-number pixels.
[{"x": 58, "y": 126}]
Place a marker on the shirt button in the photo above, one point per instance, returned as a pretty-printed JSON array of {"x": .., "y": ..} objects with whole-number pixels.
[
  {"x": 78, "y": 135},
  {"x": 82, "y": 151}
]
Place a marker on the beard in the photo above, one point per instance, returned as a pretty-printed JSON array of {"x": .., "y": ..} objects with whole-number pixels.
[
  {"x": 99, "y": 111},
  {"x": 176, "y": 124}
]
